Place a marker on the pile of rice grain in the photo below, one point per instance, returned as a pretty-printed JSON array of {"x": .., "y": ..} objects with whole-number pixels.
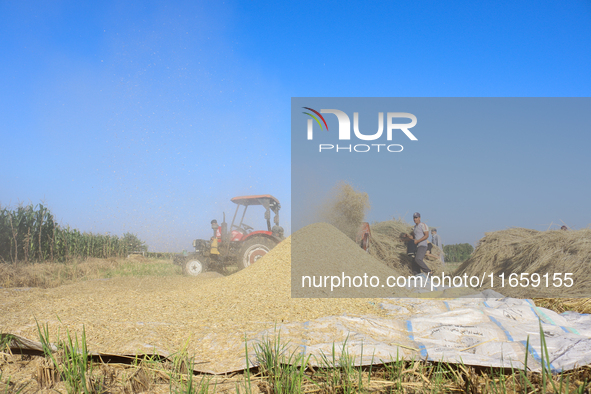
[
  {"x": 320, "y": 250},
  {"x": 520, "y": 250},
  {"x": 262, "y": 292}
]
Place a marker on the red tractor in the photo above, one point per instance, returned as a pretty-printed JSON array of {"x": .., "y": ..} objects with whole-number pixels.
[{"x": 238, "y": 245}]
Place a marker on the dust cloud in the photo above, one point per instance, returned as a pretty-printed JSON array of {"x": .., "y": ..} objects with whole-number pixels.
[{"x": 345, "y": 208}]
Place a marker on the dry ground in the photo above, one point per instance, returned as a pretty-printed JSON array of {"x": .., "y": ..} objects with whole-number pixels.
[
  {"x": 131, "y": 315},
  {"x": 163, "y": 314}
]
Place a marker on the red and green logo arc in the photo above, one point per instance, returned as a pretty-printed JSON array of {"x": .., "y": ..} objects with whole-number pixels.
[{"x": 315, "y": 118}]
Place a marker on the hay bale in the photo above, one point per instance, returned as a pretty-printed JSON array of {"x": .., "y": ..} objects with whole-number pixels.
[{"x": 520, "y": 250}]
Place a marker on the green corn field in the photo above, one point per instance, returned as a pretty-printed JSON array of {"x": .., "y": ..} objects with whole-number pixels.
[{"x": 30, "y": 234}]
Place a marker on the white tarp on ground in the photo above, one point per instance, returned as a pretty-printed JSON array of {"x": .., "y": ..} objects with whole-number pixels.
[{"x": 486, "y": 331}]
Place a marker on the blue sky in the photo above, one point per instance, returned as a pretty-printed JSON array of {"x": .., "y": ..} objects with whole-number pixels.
[
  {"x": 148, "y": 117},
  {"x": 477, "y": 164}
]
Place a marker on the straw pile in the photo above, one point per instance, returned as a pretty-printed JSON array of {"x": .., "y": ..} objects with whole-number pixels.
[
  {"x": 387, "y": 247},
  {"x": 495, "y": 249},
  {"x": 520, "y": 250}
]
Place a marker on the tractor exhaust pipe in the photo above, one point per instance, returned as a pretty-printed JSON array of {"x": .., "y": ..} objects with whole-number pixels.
[{"x": 224, "y": 230}]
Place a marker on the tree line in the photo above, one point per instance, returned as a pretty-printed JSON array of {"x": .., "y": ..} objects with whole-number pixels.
[{"x": 457, "y": 253}]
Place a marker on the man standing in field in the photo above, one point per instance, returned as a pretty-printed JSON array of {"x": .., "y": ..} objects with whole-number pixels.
[
  {"x": 435, "y": 240},
  {"x": 421, "y": 233}
]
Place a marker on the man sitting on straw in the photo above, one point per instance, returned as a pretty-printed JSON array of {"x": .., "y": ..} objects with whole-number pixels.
[{"x": 421, "y": 233}]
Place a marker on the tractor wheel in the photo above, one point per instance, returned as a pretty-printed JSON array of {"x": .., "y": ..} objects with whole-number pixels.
[
  {"x": 253, "y": 249},
  {"x": 195, "y": 266}
]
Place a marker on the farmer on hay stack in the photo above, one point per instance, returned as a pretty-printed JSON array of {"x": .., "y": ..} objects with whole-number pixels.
[{"x": 421, "y": 233}]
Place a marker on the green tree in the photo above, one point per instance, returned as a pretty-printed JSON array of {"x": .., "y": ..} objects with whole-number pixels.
[
  {"x": 133, "y": 243},
  {"x": 457, "y": 253}
]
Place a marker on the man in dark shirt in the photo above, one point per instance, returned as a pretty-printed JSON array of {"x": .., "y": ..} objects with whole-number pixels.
[{"x": 409, "y": 241}]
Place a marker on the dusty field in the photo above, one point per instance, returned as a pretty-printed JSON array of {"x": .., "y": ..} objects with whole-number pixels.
[
  {"x": 210, "y": 316},
  {"x": 54, "y": 274},
  {"x": 160, "y": 314}
]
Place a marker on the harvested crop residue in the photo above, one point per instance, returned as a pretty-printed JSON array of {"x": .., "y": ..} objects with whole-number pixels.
[
  {"x": 159, "y": 314},
  {"x": 520, "y": 250},
  {"x": 54, "y": 274}
]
